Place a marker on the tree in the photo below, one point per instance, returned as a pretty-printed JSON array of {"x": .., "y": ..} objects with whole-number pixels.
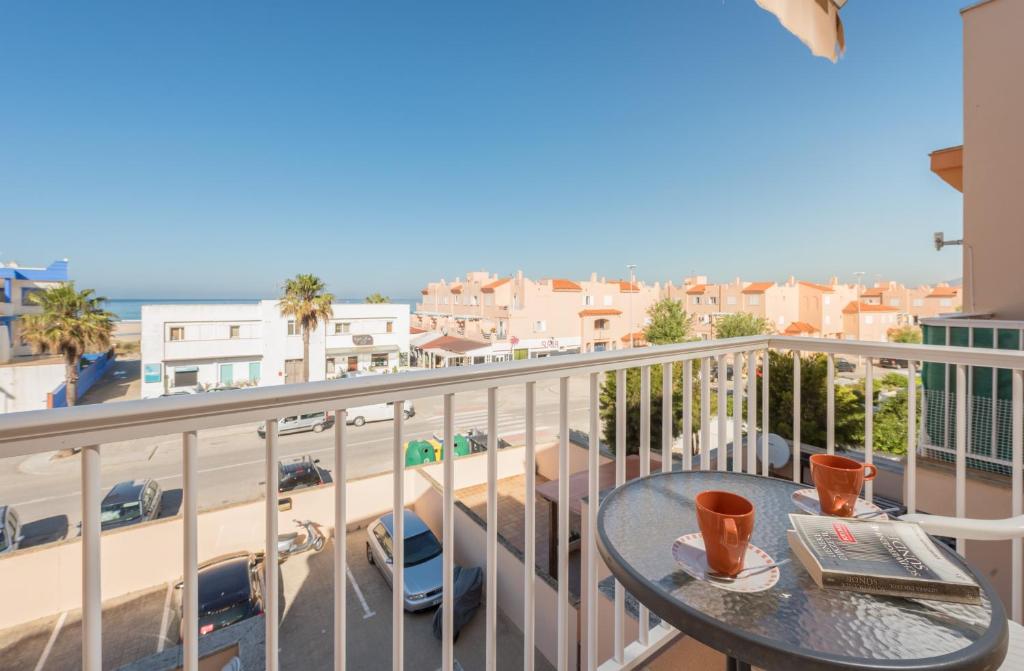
[
  {"x": 669, "y": 323},
  {"x": 849, "y": 404},
  {"x": 70, "y": 324},
  {"x": 890, "y": 425},
  {"x": 905, "y": 334},
  {"x": 739, "y": 324},
  {"x": 306, "y": 299},
  {"x": 377, "y": 297}
]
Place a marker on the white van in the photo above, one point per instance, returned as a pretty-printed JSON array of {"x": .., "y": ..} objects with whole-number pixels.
[{"x": 376, "y": 413}]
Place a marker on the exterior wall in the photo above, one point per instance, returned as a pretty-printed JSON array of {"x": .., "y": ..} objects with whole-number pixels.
[
  {"x": 15, "y": 285},
  {"x": 258, "y": 355},
  {"x": 993, "y": 146},
  {"x": 25, "y": 386},
  {"x": 872, "y": 325}
]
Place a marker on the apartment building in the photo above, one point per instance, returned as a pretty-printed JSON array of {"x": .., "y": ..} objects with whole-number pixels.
[
  {"x": 18, "y": 284},
  {"x": 190, "y": 347},
  {"x": 519, "y": 317},
  {"x": 914, "y": 303}
]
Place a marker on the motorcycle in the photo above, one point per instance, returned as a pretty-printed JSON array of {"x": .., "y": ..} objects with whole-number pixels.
[{"x": 292, "y": 544}]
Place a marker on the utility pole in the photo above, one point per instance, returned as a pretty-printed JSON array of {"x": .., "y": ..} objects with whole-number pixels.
[{"x": 632, "y": 285}]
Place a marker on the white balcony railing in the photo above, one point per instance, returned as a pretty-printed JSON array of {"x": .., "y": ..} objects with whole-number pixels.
[{"x": 89, "y": 427}]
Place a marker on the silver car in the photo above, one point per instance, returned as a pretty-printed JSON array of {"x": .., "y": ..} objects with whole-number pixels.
[
  {"x": 311, "y": 421},
  {"x": 423, "y": 562}
]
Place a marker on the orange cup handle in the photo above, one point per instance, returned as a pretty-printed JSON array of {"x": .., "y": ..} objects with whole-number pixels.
[
  {"x": 732, "y": 533},
  {"x": 870, "y": 471}
]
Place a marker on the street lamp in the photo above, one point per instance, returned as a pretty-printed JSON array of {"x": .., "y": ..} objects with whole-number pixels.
[{"x": 632, "y": 284}]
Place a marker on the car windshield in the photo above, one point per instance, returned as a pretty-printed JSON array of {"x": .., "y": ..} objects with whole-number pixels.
[
  {"x": 420, "y": 548},
  {"x": 120, "y": 512}
]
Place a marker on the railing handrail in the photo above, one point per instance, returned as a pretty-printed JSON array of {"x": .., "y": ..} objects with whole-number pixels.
[{"x": 67, "y": 428}]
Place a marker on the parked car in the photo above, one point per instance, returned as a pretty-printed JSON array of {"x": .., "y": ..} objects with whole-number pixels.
[
  {"x": 130, "y": 502},
  {"x": 226, "y": 387},
  {"x": 844, "y": 366},
  {"x": 892, "y": 363},
  {"x": 311, "y": 421},
  {"x": 10, "y": 530},
  {"x": 378, "y": 412},
  {"x": 231, "y": 589},
  {"x": 297, "y": 473},
  {"x": 182, "y": 391},
  {"x": 423, "y": 562}
]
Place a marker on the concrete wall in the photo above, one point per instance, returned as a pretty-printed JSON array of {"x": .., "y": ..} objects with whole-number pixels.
[
  {"x": 25, "y": 386},
  {"x": 993, "y": 147},
  {"x": 87, "y": 377}
]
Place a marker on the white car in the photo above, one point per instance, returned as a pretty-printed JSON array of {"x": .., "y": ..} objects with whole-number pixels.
[{"x": 378, "y": 412}]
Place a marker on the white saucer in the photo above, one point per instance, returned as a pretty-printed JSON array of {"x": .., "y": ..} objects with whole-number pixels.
[
  {"x": 807, "y": 501},
  {"x": 689, "y": 553}
]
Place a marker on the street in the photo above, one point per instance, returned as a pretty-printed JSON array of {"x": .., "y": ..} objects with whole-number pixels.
[{"x": 45, "y": 488}]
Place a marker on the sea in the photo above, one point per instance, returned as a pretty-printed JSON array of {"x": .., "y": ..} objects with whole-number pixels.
[{"x": 130, "y": 309}]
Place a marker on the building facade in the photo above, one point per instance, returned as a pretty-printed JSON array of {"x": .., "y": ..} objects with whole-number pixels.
[
  {"x": 17, "y": 284},
  {"x": 522, "y": 318},
  {"x": 196, "y": 347}
]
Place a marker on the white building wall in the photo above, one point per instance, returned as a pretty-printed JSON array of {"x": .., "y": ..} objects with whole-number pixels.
[
  {"x": 25, "y": 386},
  {"x": 262, "y": 338}
]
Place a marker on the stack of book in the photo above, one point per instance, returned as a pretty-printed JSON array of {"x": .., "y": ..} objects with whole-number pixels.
[{"x": 885, "y": 557}]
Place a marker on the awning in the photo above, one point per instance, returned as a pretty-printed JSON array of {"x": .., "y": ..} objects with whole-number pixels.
[
  {"x": 369, "y": 349},
  {"x": 186, "y": 369},
  {"x": 816, "y": 23}
]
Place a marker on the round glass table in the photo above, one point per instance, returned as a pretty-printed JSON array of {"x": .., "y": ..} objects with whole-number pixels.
[{"x": 795, "y": 624}]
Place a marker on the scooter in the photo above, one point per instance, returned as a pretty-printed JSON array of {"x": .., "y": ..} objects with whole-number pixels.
[{"x": 290, "y": 544}]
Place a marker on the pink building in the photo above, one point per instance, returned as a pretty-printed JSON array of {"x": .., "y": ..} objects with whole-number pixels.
[
  {"x": 866, "y": 321},
  {"x": 520, "y": 318}
]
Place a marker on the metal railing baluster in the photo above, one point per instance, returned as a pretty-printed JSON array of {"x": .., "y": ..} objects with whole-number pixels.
[
  {"x": 911, "y": 436},
  {"x": 796, "y": 417},
  {"x": 961, "y": 449},
  {"x": 563, "y": 524},
  {"x": 92, "y": 597},
  {"x": 830, "y": 404},
  {"x": 620, "y": 479},
  {"x": 270, "y": 560},
  {"x": 751, "y": 412},
  {"x": 723, "y": 458},
  {"x": 666, "y": 417},
  {"x": 491, "y": 649},
  {"x": 398, "y": 543},
  {"x": 448, "y": 537},
  {"x": 705, "y": 413},
  {"x": 765, "y": 430},
  {"x": 1017, "y": 494},
  {"x": 530, "y": 559},
  {"x": 737, "y": 413},
  {"x": 190, "y": 550},
  {"x": 593, "y": 452},
  {"x": 687, "y": 414},
  {"x": 869, "y": 423},
  {"x": 645, "y": 469}
]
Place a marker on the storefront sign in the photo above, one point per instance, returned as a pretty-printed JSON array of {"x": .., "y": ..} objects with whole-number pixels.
[
  {"x": 152, "y": 372},
  {"x": 362, "y": 340}
]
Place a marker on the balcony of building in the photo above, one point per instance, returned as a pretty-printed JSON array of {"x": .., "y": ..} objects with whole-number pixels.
[{"x": 521, "y": 512}]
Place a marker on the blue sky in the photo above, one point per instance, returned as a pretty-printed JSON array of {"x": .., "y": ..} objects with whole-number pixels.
[{"x": 202, "y": 149}]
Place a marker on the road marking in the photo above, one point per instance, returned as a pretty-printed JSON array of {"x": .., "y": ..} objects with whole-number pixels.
[
  {"x": 367, "y": 613},
  {"x": 53, "y": 639},
  {"x": 161, "y": 638}
]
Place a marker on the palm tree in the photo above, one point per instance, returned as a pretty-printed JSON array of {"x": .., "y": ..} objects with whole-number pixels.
[
  {"x": 306, "y": 300},
  {"x": 377, "y": 297},
  {"x": 71, "y": 323}
]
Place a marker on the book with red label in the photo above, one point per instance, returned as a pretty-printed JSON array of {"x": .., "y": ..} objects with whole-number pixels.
[{"x": 885, "y": 557}]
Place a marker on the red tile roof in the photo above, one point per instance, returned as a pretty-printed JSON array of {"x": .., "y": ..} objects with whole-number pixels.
[
  {"x": 851, "y": 308},
  {"x": 872, "y": 292},
  {"x": 626, "y": 287},
  {"x": 455, "y": 288},
  {"x": 697, "y": 289},
  {"x": 424, "y": 291},
  {"x": 415, "y": 330},
  {"x": 454, "y": 344},
  {"x": 758, "y": 287},
  {"x": 565, "y": 285},
  {"x": 819, "y": 287},
  {"x": 797, "y": 328},
  {"x": 489, "y": 288},
  {"x": 637, "y": 336},
  {"x": 600, "y": 312},
  {"x": 944, "y": 292}
]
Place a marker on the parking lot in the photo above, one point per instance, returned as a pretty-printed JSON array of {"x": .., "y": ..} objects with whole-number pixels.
[{"x": 139, "y": 625}]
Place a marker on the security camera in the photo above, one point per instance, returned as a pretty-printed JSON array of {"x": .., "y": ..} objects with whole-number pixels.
[{"x": 940, "y": 240}]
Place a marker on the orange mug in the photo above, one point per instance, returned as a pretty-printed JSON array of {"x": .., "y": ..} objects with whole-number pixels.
[
  {"x": 839, "y": 481},
  {"x": 726, "y": 522}
]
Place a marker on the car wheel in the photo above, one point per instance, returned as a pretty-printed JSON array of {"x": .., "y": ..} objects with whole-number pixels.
[
  {"x": 369, "y": 555},
  {"x": 358, "y": 421},
  {"x": 318, "y": 428}
]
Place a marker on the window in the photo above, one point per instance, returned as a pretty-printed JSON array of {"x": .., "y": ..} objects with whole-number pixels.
[
  {"x": 895, "y": 302},
  {"x": 918, "y": 302},
  {"x": 382, "y": 536},
  {"x": 540, "y": 326},
  {"x": 828, "y": 320},
  {"x": 456, "y": 299},
  {"x": 753, "y": 300},
  {"x": 945, "y": 302},
  {"x": 177, "y": 333},
  {"x": 331, "y": 366},
  {"x": 712, "y": 300},
  {"x": 27, "y": 293},
  {"x": 476, "y": 300},
  {"x": 292, "y": 330},
  {"x": 341, "y": 328},
  {"x": 588, "y": 300},
  {"x": 608, "y": 300},
  {"x": 186, "y": 377},
  {"x": 696, "y": 300},
  {"x": 826, "y": 300},
  {"x": 389, "y": 327},
  {"x": 731, "y": 300},
  {"x": 235, "y": 331},
  {"x": 379, "y": 359},
  {"x": 444, "y": 300},
  {"x": 868, "y": 319},
  {"x": 601, "y": 324}
]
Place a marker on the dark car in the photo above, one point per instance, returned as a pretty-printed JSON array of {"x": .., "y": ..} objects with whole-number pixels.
[
  {"x": 231, "y": 589},
  {"x": 886, "y": 362},
  {"x": 297, "y": 473},
  {"x": 130, "y": 502},
  {"x": 844, "y": 366}
]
